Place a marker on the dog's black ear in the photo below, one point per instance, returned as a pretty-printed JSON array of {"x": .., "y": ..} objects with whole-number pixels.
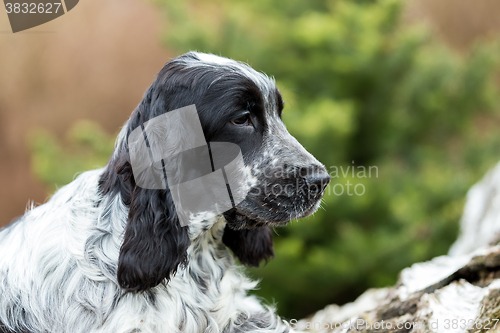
[
  {"x": 250, "y": 246},
  {"x": 155, "y": 244}
]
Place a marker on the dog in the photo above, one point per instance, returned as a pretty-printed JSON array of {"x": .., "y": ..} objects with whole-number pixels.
[{"x": 106, "y": 255}]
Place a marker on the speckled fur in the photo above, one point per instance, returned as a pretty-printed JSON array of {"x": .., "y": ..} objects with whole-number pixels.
[
  {"x": 91, "y": 259},
  {"x": 58, "y": 274}
]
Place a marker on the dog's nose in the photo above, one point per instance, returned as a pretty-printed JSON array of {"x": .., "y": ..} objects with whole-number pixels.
[{"x": 317, "y": 179}]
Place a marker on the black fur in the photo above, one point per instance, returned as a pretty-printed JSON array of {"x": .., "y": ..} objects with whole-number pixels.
[
  {"x": 155, "y": 244},
  {"x": 250, "y": 246}
]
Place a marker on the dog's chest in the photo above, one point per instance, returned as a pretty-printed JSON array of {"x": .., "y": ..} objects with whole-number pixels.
[{"x": 203, "y": 296}]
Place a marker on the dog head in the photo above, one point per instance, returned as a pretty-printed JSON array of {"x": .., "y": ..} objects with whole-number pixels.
[{"x": 235, "y": 104}]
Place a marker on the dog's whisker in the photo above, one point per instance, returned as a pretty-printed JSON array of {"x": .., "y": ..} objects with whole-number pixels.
[{"x": 118, "y": 250}]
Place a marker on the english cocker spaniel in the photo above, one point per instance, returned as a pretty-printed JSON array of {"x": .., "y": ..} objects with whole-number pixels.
[{"x": 107, "y": 255}]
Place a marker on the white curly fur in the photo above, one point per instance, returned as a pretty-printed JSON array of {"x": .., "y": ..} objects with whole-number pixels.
[
  {"x": 58, "y": 274},
  {"x": 59, "y": 262}
]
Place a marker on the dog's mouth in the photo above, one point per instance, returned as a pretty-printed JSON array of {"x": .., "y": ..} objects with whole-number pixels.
[
  {"x": 249, "y": 215},
  {"x": 280, "y": 196}
]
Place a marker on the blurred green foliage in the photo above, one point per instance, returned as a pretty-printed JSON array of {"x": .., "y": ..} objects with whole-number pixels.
[
  {"x": 361, "y": 90},
  {"x": 86, "y": 146}
]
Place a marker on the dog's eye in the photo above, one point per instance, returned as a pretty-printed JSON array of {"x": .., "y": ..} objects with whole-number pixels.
[{"x": 242, "y": 121}]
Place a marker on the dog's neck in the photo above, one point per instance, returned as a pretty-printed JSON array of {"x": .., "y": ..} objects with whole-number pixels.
[
  {"x": 212, "y": 227},
  {"x": 206, "y": 235}
]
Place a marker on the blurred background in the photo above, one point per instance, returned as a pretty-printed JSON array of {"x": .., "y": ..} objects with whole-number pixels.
[{"x": 408, "y": 88}]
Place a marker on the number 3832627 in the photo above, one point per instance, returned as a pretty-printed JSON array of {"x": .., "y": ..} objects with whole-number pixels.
[{"x": 33, "y": 8}]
